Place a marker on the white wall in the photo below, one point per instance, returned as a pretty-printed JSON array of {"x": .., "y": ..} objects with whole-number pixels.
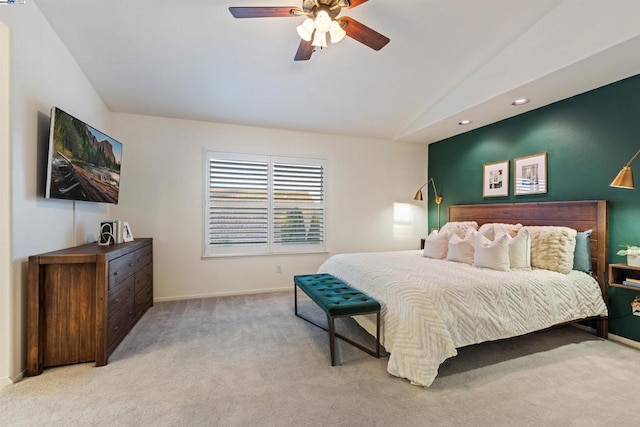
[
  {"x": 162, "y": 185},
  {"x": 43, "y": 74},
  {"x": 162, "y": 192},
  {"x": 5, "y": 208}
]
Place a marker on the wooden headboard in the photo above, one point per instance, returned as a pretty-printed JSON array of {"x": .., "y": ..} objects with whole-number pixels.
[{"x": 579, "y": 215}]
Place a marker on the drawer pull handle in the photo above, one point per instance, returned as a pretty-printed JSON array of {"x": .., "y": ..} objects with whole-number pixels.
[
  {"x": 117, "y": 300},
  {"x": 115, "y": 328},
  {"x": 130, "y": 264},
  {"x": 115, "y": 273}
]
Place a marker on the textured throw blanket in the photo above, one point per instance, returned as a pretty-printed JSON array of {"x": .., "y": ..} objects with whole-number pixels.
[{"x": 431, "y": 307}]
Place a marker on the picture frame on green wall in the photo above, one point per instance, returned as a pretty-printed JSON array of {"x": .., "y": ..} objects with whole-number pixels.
[
  {"x": 495, "y": 181},
  {"x": 530, "y": 174}
]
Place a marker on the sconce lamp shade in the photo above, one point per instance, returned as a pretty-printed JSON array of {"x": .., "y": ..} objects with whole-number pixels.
[
  {"x": 437, "y": 198},
  {"x": 624, "y": 179}
]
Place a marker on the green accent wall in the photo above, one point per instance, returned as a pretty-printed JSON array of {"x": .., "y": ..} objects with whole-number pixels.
[{"x": 588, "y": 138}]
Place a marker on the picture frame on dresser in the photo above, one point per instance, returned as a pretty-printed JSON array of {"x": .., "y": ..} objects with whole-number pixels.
[{"x": 127, "y": 234}]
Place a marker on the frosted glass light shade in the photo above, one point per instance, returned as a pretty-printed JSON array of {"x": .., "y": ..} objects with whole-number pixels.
[
  {"x": 323, "y": 21},
  {"x": 319, "y": 39},
  {"x": 305, "y": 30},
  {"x": 336, "y": 32}
]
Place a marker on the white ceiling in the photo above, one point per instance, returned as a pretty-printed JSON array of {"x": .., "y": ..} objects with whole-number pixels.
[{"x": 447, "y": 60}]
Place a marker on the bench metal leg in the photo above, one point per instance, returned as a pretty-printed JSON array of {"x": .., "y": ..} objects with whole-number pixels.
[
  {"x": 332, "y": 339},
  {"x": 331, "y": 328},
  {"x": 378, "y": 334}
]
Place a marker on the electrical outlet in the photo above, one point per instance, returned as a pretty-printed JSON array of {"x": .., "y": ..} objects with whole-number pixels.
[{"x": 278, "y": 268}]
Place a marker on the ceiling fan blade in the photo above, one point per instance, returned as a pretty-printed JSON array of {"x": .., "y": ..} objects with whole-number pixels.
[
  {"x": 355, "y": 3},
  {"x": 263, "y": 12},
  {"x": 304, "y": 51},
  {"x": 364, "y": 34}
]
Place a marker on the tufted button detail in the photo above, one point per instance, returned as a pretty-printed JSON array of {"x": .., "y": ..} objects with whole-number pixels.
[{"x": 334, "y": 296}]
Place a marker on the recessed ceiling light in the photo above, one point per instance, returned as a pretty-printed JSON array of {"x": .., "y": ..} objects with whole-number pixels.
[
  {"x": 465, "y": 122},
  {"x": 520, "y": 101}
]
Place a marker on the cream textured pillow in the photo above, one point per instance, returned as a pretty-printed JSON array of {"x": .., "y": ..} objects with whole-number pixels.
[
  {"x": 489, "y": 230},
  {"x": 520, "y": 251},
  {"x": 552, "y": 248},
  {"x": 492, "y": 254},
  {"x": 461, "y": 250},
  {"x": 460, "y": 228},
  {"x": 435, "y": 245}
]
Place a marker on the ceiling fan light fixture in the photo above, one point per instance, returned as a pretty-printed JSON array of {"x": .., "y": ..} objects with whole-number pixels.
[
  {"x": 336, "y": 32},
  {"x": 305, "y": 30}
]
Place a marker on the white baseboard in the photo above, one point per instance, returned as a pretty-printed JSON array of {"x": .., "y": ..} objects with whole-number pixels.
[
  {"x": 4, "y": 381},
  {"x": 612, "y": 337},
  {"x": 222, "y": 294},
  {"x": 625, "y": 341}
]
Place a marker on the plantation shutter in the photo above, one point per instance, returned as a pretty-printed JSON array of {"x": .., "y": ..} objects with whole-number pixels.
[
  {"x": 298, "y": 205},
  {"x": 262, "y": 205},
  {"x": 238, "y": 205}
]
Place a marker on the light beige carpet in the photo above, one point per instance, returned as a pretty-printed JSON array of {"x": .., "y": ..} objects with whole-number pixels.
[{"x": 248, "y": 361}]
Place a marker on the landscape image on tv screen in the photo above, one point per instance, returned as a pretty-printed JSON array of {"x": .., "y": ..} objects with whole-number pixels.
[{"x": 84, "y": 163}]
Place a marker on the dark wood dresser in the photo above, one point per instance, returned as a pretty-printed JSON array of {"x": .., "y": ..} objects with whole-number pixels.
[{"x": 82, "y": 301}]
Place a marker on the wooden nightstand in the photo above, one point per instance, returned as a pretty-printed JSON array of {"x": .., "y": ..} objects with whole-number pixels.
[{"x": 620, "y": 272}]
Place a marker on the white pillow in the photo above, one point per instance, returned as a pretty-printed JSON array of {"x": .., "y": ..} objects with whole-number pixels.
[
  {"x": 489, "y": 230},
  {"x": 520, "y": 251},
  {"x": 492, "y": 254},
  {"x": 459, "y": 227},
  {"x": 435, "y": 245},
  {"x": 552, "y": 248},
  {"x": 461, "y": 250}
]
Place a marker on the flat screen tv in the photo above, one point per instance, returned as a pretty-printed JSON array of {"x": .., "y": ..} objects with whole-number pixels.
[{"x": 84, "y": 163}]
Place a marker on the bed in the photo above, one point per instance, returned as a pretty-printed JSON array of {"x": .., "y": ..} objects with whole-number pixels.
[{"x": 431, "y": 307}]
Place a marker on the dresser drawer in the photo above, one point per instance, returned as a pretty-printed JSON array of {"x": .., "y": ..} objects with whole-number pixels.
[
  {"x": 121, "y": 268},
  {"x": 143, "y": 256},
  {"x": 120, "y": 295},
  {"x": 143, "y": 299},
  {"x": 119, "y": 323},
  {"x": 143, "y": 277}
]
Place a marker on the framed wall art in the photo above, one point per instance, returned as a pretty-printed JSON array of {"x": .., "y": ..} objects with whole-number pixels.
[
  {"x": 495, "y": 179},
  {"x": 530, "y": 174}
]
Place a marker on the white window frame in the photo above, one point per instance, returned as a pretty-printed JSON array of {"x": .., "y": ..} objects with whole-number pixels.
[{"x": 271, "y": 247}]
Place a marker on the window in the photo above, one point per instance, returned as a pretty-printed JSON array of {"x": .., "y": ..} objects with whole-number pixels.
[{"x": 263, "y": 205}]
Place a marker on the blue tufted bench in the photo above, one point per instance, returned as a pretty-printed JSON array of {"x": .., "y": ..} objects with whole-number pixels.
[{"x": 337, "y": 299}]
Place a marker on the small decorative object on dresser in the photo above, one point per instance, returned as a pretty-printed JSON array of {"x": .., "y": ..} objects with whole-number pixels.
[
  {"x": 82, "y": 301},
  {"x": 127, "y": 235}
]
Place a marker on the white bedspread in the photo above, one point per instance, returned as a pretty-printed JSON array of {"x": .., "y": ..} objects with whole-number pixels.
[{"x": 431, "y": 307}]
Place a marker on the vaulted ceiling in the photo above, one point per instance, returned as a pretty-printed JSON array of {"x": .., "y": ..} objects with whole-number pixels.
[{"x": 448, "y": 60}]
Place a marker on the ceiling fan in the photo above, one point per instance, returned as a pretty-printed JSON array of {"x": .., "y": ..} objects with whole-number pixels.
[{"x": 321, "y": 20}]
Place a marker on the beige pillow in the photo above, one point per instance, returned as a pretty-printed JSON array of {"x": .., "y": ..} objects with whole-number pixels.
[
  {"x": 492, "y": 254},
  {"x": 435, "y": 245},
  {"x": 489, "y": 230},
  {"x": 460, "y": 227},
  {"x": 520, "y": 251},
  {"x": 552, "y": 247},
  {"x": 461, "y": 250}
]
